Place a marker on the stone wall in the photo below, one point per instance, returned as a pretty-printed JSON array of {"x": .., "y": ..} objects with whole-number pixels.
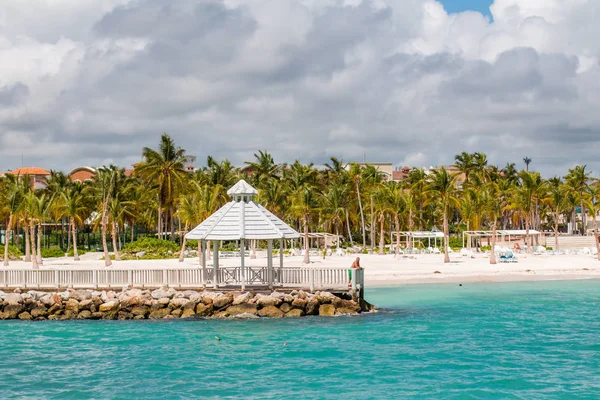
[{"x": 170, "y": 303}]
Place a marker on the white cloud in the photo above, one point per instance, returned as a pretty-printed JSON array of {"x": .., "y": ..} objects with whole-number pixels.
[{"x": 395, "y": 79}]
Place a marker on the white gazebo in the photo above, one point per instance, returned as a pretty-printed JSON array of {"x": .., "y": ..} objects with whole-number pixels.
[{"x": 242, "y": 219}]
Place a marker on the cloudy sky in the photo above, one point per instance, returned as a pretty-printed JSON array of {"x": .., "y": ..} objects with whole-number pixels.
[{"x": 90, "y": 82}]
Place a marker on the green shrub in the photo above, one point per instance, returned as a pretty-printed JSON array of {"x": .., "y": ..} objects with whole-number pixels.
[
  {"x": 13, "y": 252},
  {"x": 155, "y": 249},
  {"x": 71, "y": 252},
  {"x": 52, "y": 252},
  {"x": 486, "y": 248}
]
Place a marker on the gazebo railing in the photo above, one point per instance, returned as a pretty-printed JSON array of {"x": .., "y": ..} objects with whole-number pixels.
[{"x": 297, "y": 277}]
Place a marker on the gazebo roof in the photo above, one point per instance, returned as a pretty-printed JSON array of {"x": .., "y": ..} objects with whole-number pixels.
[{"x": 242, "y": 219}]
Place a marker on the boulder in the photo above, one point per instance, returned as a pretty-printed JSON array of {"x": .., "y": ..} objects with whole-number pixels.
[
  {"x": 177, "y": 312},
  {"x": 56, "y": 308},
  {"x": 190, "y": 305},
  {"x": 285, "y": 307},
  {"x": 13, "y": 299},
  {"x": 278, "y": 295},
  {"x": 299, "y": 303},
  {"x": 294, "y": 313},
  {"x": 203, "y": 310},
  {"x": 244, "y": 308},
  {"x": 111, "y": 315},
  {"x": 85, "y": 304},
  {"x": 222, "y": 300},
  {"x": 158, "y": 314},
  {"x": 39, "y": 311},
  {"x": 109, "y": 306},
  {"x": 271, "y": 312},
  {"x": 327, "y": 310},
  {"x": 25, "y": 316},
  {"x": 36, "y": 295},
  {"x": 139, "y": 317},
  {"x": 188, "y": 294},
  {"x": 141, "y": 310},
  {"x": 159, "y": 293},
  {"x": 97, "y": 315},
  {"x": 301, "y": 295},
  {"x": 81, "y": 295},
  {"x": 84, "y": 314},
  {"x": 312, "y": 306},
  {"x": 188, "y": 312},
  {"x": 243, "y": 298},
  {"x": 178, "y": 302},
  {"x": 197, "y": 297},
  {"x": 57, "y": 298},
  {"x": 221, "y": 314},
  {"x": 124, "y": 315},
  {"x": 245, "y": 316},
  {"x": 164, "y": 301},
  {"x": 269, "y": 301},
  {"x": 135, "y": 292},
  {"x": 68, "y": 314},
  {"x": 341, "y": 303},
  {"x": 72, "y": 305},
  {"x": 288, "y": 298},
  {"x": 324, "y": 299}
]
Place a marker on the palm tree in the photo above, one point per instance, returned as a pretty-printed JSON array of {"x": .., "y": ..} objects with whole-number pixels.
[
  {"x": 333, "y": 206},
  {"x": 593, "y": 197},
  {"x": 10, "y": 200},
  {"x": 465, "y": 164},
  {"x": 263, "y": 168},
  {"x": 523, "y": 199},
  {"x": 493, "y": 204},
  {"x": 527, "y": 161},
  {"x": 190, "y": 213},
  {"x": 356, "y": 177},
  {"x": 28, "y": 212},
  {"x": 165, "y": 169},
  {"x": 41, "y": 212},
  {"x": 372, "y": 179},
  {"x": 304, "y": 206},
  {"x": 73, "y": 204},
  {"x": 105, "y": 186},
  {"x": 558, "y": 203},
  {"x": 441, "y": 189},
  {"x": 577, "y": 179}
]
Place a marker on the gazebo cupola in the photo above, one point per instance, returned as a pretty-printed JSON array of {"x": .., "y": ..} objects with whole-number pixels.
[{"x": 242, "y": 191}]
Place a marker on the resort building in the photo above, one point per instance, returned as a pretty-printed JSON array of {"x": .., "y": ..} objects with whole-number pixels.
[
  {"x": 82, "y": 174},
  {"x": 38, "y": 175},
  {"x": 386, "y": 169}
]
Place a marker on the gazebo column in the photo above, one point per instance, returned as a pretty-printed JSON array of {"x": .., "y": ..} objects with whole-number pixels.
[
  {"x": 203, "y": 257},
  {"x": 270, "y": 263},
  {"x": 243, "y": 267},
  {"x": 215, "y": 263},
  {"x": 281, "y": 261}
]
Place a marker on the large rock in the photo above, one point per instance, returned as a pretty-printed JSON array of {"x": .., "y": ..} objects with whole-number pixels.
[
  {"x": 72, "y": 305},
  {"x": 141, "y": 310},
  {"x": 203, "y": 310},
  {"x": 11, "y": 311},
  {"x": 188, "y": 294},
  {"x": 97, "y": 315},
  {"x": 245, "y": 316},
  {"x": 349, "y": 304},
  {"x": 285, "y": 307},
  {"x": 36, "y": 295},
  {"x": 301, "y": 295},
  {"x": 81, "y": 295},
  {"x": 178, "y": 302},
  {"x": 188, "y": 313},
  {"x": 222, "y": 300},
  {"x": 159, "y": 293},
  {"x": 158, "y": 314},
  {"x": 271, "y": 312},
  {"x": 85, "y": 304},
  {"x": 294, "y": 313},
  {"x": 345, "y": 311},
  {"x": 109, "y": 306},
  {"x": 13, "y": 299},
  {"x": 135, "y": 292},
  {"x": 269, "y": 301},
  {"x": 39, "y": 312},
  {"x": 84, "y": 314},
  {"x": 299, "y": 303},
  {"x": 312, "y": 306},
  {"x": 124, "y": 315},
  {"x": 327, "y": 310},
  {"x": 177, "y": 312},
  {"x": 55, "y": 309},
  {"x": 243, "y": 298},
  {"x": 164, "y": 301},
  {"x": 244, "y": 308},
  {"x": 278, "y": 295},
  {"x": 25, "y": 316}
]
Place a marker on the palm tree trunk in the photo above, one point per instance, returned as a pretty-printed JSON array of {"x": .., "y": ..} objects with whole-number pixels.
[
  {"x": 306, "y": 248},
  {"x": 411, "y": 226},
  {"x": 493, "y": 250},
  {"x": 583, "y": 221},
  {"x": 27, "y": 245},
  {"x": 373, "y": 227},
  {"x": 39, "y": 245},
  {"x": 107, "y": 261},
  {"x": 348, "y": 226},
  {"x": 527, "y": 235},
  {"x": 556, "y": 231},
  {"x": 596, "y": 238},
  {"x": 74, "y": 231},
  {"x": 183, "y": 244},
  {"x": 446, "y": 235},
  {"x": 113, "y": 233},
  {"x": 337, "y": 232},
  {"x": 159, "y": 220},
  {"x": 132, "y": 231},
  {"x": 119, "y": 237},
  {"x": 7, "y": 232},
  {"x": 362, "y": 216},
  {"x": 32, "y": 236},
  {"x": 381, "y": 235}
]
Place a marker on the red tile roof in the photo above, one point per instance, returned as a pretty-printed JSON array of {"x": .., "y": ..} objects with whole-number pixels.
[{"x": 29, "y": 171}]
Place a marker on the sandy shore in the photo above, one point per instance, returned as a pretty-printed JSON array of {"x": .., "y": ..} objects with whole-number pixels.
[{"x": 387, "y": 270}]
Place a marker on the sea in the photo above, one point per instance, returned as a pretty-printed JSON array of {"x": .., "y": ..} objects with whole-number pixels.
[{"x": 530, "y": 340}]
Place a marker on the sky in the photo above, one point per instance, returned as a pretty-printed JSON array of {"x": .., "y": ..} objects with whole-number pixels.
[
  {"x": 454, "y": 6},
  {"x": 91, "y": 82}
]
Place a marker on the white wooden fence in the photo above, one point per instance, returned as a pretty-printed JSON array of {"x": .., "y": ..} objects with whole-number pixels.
[{"x": 293, "y": 277}]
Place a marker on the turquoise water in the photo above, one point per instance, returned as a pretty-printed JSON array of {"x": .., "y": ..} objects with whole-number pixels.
[{"x": 518, "y": 340}]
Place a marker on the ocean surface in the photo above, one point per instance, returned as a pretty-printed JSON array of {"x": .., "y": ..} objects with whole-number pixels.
[{"x": 534, "y": 340}]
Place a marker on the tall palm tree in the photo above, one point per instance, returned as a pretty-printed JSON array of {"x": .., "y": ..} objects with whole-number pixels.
[
  {"x": 74, "y": 204},
  {"x": 190, "y": 212},
  {"x": 356, "y": 177},
  {"x": 165, "y": 169},
  {"x": 28, "y": 212},
  {"x": 577, "y": 179},
  {"x": 305, "y": 206},
  {"x": 10, "y": 200},
  {"x": 263, "y": 168},
  {"x": 105, "y": 186},
  {"x": 593, "y": 206},
  {"x": 465, "y": 163},
  {"x": 333, "y": 206},
  {"x": 493, "y": 204},
  {"x": 441, "y": 189},
  {"x": 558, "y": 203},
  {"x": 527, "y": 161}
]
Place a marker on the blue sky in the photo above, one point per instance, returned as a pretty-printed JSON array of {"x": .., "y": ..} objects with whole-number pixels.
[{"x": 482, "y": 6}]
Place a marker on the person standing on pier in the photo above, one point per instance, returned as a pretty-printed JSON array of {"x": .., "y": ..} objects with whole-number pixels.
[{"x": 355, "y": 265}]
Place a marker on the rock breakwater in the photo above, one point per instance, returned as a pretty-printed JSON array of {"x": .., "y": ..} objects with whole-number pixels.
[{"x": 169, "y": 303}]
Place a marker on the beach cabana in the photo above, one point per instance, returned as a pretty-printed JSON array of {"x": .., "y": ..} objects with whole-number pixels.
[
  {"x": 505, "y": 234},
  {"x": 435, "y": 235},
  {"x": 242, "y": 219}
]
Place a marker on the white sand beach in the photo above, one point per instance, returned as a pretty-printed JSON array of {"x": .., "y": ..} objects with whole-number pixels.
[{"x": 388, "y": 270}]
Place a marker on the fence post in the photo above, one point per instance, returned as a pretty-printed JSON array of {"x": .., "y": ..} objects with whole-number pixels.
[
  {"x": 355, "y": 273},
  {"x": 56, "y": 279},
  {"x": 311, "y": 279},
  {"x": 71, "y": 279},
  {"x": 165, "y": 277},
  {"x": 24, "y": 278},
  {"x": 95, "y": 278},
  {"x": 130, "y": 277}
]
